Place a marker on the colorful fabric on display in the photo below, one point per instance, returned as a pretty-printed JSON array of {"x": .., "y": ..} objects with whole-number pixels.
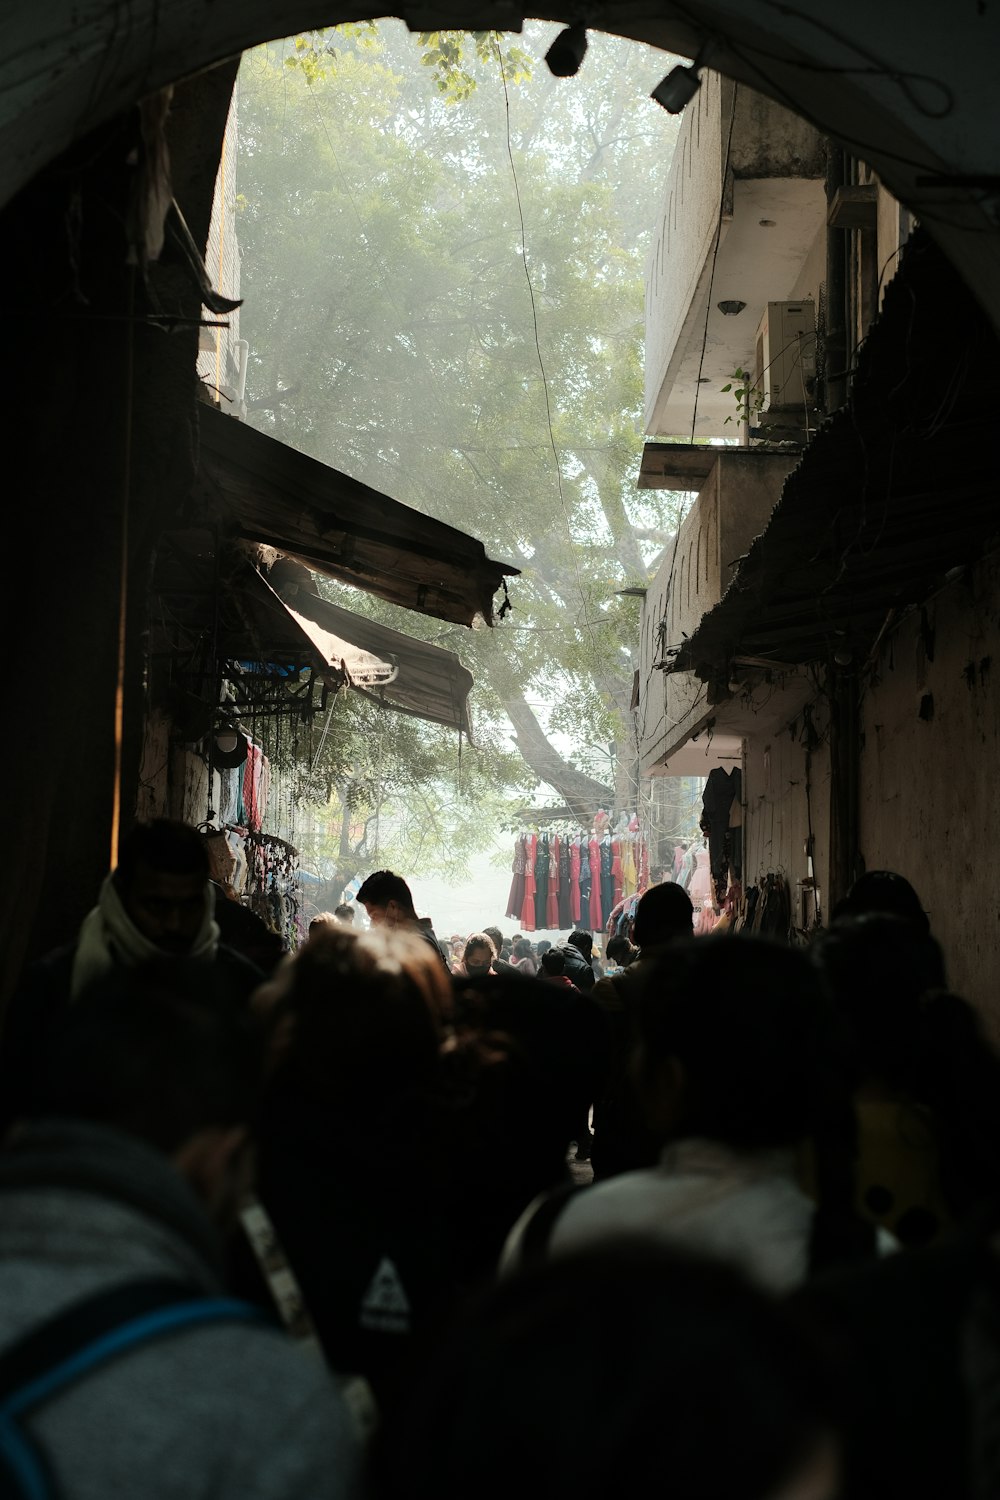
[
  {"x": 527, "y": 917},
  {"x": 630, "y": 873},
  {"x": 574, "y": 883},
  {"x": 541, "y": 882},
  {"x": 552, "y": 905},
  {"x": 617, "y": 890},
  {"x": 565, "y": 914},
  {"x": 594, "y": 907},
  {"x": 515, "y": 900}
]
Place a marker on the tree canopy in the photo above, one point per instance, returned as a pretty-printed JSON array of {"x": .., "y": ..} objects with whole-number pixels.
[{"x": 443, "y": 250}]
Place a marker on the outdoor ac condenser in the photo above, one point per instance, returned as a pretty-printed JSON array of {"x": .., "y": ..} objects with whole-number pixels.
[{"x": 785, "y": 362}]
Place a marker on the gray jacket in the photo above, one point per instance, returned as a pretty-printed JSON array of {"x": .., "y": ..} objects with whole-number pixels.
[{"x": 226, "y": 1411}]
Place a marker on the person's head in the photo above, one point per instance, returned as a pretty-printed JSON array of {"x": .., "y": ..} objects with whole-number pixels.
[
  {"x": 620, "y": 951},
  {"x": 736, "y": 1034},
  {"x": 387, "y": 899},
  {"x": 363, "y": 1013},
  {"x": 160, "y": 1053},
  {"x": 878, "y": 967},
  {"x": 884, "y": 891},
  {"x": 663, "y": 913},
  {"x": 478, "y": 954},
  {"x": 543, "y": 946},
  {"x": 320, "y": 922},
  {"x": 553, "y": 962},
  {"x": 344, "y": 913},
  {"x": 496, "y": 938},
  {"x": 705, "y": 1387},
  {"x": 163, "y": 882},
  {"x": 522, "y": 949},
  {"x": 584, "y": 942},
  {"x": 740, "y": 1043}
]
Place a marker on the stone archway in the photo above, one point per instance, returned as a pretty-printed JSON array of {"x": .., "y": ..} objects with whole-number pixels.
[{"x": 100, "y": 422}]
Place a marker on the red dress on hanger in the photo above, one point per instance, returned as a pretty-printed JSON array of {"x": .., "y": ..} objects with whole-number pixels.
[
  {"x": 594, "y": 854},
  {"x": 574, "y": 882},
  {"x": 552, "y": 903},
  {"x": 528, "y": 908}
]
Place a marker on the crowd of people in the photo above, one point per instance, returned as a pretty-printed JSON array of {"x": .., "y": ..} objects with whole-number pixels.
[{"x": 311, "y": 1226}]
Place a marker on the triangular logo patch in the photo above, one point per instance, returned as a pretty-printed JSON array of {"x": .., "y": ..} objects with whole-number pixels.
[{"x": 385, "y": 1305}]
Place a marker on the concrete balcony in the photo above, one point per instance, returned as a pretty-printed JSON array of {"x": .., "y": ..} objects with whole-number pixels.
[
  {"x": 739, "y": 488},
  {"x": 773, "y": 214}
]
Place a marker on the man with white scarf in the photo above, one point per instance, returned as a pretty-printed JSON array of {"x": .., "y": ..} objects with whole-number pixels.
[{"x": 159, "y": 902}]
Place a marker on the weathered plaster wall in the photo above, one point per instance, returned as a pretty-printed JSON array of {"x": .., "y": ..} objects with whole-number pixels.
[
  {"x": 930, "y": 792},
  {"x": 778, "y": 808}
]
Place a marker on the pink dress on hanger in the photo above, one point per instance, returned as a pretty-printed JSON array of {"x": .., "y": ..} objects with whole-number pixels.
[
  {"x": 528, "y": 909},
  {"x": 594, "y": 856}
]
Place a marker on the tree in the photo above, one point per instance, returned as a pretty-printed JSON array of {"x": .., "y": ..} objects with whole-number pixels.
[{"x": 444, "y": 297}]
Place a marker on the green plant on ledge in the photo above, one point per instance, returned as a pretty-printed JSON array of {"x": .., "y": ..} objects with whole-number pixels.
[{"x": 748, "y": 397}]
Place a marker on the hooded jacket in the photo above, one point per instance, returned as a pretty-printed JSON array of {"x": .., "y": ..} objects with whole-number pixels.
[{"x": 226, "y": 1411}]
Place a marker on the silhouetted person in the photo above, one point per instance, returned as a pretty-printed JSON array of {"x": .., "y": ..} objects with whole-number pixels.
[
  {"x": 740, "y": 1068},
  {"x": 693, "y": 1383},
  {"x": 124, "y": 1186},
  {"x": 158, "y": 903},
  {"x": 388, "y": 901},
  {"x": 622, "y": 1139}
]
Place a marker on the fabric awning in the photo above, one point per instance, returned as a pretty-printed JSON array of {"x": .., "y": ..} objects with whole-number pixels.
[
  {"x": 274, "y": 496},
  {"x": 896, "y": 490},
  {"x": 231, "y": 607},
  {"x": 422, "y": 680}
]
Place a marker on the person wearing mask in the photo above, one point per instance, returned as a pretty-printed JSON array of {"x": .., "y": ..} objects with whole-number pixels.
[{"x": 477, "y": 957}]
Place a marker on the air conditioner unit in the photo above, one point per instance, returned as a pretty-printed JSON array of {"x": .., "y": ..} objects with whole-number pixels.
[{"x": 785, "y": 359}]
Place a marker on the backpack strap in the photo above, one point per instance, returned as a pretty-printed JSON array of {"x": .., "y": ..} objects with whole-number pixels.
[{"x": 85, "y": 1336}]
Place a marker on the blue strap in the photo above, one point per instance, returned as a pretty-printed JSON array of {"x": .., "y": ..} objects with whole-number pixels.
[{"x": 117, "y": 1340}]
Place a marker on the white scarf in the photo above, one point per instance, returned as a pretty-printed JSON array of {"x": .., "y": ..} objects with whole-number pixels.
[{"x": 108, "y": 936}]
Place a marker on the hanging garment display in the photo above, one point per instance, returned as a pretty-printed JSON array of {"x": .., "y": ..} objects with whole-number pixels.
[
  {"x": 515, "y": 900},
  {"x": 595, "y": 914},
  {"x": 565, "y": 912},
  {"x": 527, "y": 917},
  {"x": 630, "y": 870},
  {"x": 700, "y": 885},
  {"x": 552, "y": 905},
  {"x": 575, "y": 882},
  {"x": 541, "y": 882},
  {"x": 560, "y": 881},
  {"x": 607, "y": 887},
  {"x": 616, "y": 871}
]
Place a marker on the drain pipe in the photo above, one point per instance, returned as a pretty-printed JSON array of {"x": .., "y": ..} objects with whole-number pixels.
[{"x": 835, "y": 362}]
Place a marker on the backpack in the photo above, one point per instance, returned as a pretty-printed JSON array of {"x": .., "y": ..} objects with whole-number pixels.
[{"x": 87, "y": 1336}]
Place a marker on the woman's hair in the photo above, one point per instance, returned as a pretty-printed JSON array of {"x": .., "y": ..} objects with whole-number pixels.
[
  {"x": 690, "y": 1381},
  {"x": 363, "y": 1013},
  {"x": 766, "y": 1064},
  {"x": 522, "y": 948},
  {"x": 478, "y": 940}
]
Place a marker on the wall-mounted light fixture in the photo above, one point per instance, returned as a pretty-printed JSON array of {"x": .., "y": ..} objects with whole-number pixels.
[
  {"x": 681, "y": 84},
  {"x": 677, "y": 89},
  {"x": 567, "y": 51},
  {"x": 731, "y": 306}
]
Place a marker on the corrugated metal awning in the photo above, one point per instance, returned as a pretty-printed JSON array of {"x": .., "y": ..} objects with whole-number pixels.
[
  {"x": 427, "y": 682},
  {"x": 272, "y": 495}
]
